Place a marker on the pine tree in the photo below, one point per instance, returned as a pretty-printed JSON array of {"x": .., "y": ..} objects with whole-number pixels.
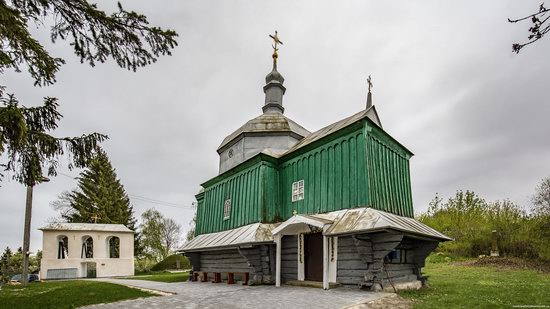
[{"x": 99, "y": 198}]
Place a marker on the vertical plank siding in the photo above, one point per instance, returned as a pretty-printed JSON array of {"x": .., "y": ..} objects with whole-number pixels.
[
  {"x": 243, "y": 189},
  {"x": 333, "y": 175},
  {"x": 359, "y": 166},
  {"x": 388, "y": 175}
]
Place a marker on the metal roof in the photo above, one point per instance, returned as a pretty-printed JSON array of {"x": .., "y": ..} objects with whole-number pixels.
[
  {"x": 317, "y": 135},
  {"x": 267, "y": 123},
  {"x": 362, "y": 220},
  {"x": 96, "y": 227},
  {"x": 248, "y": 234}
]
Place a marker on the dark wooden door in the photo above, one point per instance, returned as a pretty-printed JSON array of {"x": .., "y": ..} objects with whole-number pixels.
[{"x": 313, "y": 251}]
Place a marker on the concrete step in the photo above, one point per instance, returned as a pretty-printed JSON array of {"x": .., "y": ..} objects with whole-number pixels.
[{"x": 312, "y": 284}]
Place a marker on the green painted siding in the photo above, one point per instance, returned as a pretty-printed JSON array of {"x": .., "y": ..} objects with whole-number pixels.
[
  {"x": 360, "y": 165},
  {"x": 389, "y": 176},
  {"x": 334, "y": 175},
  {"x": 244, "y": 190}
]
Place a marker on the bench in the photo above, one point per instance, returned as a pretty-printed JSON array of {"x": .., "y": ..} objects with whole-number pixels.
[{"x": 203, "y": 276}]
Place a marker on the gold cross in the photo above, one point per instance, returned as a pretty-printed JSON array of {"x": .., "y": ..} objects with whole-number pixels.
[
  {"x": 95, "y": 217},
  {"x": 369, "y": 81},
  {"x": 276, "y": 40}
]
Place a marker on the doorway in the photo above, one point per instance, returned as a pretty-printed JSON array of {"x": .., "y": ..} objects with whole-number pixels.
[
  {"x": 313, "y": 256},
  {"x": 89, "y": 270}
]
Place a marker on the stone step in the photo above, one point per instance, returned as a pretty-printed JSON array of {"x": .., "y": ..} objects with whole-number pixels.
[{"x": 311, "y": 284}]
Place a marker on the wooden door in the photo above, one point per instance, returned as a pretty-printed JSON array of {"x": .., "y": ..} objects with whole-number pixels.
[{"x": 313, "y": 251}]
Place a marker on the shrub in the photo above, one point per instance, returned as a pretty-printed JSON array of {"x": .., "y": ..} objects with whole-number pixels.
[
  {"x": 171, "y": 262},
  {"x": 470, "y": 220}
]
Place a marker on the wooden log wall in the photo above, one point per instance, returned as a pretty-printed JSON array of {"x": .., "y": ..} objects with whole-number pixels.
[
  {"x": 289, "y": 258},
  {"x": 352, "y": 266},
  {"x": 224, "y": 261}
]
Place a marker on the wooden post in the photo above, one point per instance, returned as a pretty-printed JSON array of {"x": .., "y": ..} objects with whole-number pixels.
[
  {"x": 246, "y": 278},
  {"x": 230, "y": 278},
  {"x": 217, "y": 278},
  {"x": 325, "y": 262},
  {"x": 26, "y": 237},
  {"x": 278, "y": 260}
]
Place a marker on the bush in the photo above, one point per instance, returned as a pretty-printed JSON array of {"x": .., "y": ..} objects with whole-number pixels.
[
  {"x": 470, "y": 220},
  {"x": 171, "y": 262}
]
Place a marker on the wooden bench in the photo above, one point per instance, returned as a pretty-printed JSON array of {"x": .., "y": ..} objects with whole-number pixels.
[
  {"x": 203, "y": 276},
  {"x": 231, "y": 278}
]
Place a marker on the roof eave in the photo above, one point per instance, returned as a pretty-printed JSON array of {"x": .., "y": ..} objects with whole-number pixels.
[{"x": 232, "y": 246}]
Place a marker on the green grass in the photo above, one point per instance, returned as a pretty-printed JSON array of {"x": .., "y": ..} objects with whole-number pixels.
[
  {"x": 453, "y": 286},
  {"x": 163, "y": 277},
  {"x": 65, "y": 294}
]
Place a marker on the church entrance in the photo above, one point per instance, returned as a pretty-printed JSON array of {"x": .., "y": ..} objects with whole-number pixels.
[{"x": 313, "y": 256}]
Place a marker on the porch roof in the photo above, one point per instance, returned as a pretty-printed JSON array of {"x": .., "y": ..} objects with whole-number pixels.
[
  {"x": 255, "y": 233},
  {"x": 357, "y": 220}
]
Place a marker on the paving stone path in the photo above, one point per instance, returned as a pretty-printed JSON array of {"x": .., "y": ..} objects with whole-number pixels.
[{"x": 209, "y": 295}]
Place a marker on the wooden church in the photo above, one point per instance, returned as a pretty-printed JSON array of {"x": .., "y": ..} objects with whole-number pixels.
[{"x": 325, "y": 208}]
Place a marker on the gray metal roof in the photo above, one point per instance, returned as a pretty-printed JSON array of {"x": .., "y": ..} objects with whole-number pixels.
[
  {"x": 364, "y": 220},
  {"x": 351, "y": 221},
  {"x": 317, "y": 135},
  {"x": 248, "y": 234},
  {"x": 96, "y": 227},
  {"x": 267, "y": 123}
]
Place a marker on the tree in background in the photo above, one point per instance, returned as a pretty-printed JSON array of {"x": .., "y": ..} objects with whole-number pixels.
[
  {"x": 98, "y": 198},
  {"x": 160, "y": 236},
  {"x": 470, "y": 220},
  {"x": 541, "y": 198},
  {"x": 12, "y": 263},
  {"x": 541, "y": 215},
  {"x": 95, "y": 36},
  {"x": 539, "y": 28},
  {"x": 191, "y": 233}
]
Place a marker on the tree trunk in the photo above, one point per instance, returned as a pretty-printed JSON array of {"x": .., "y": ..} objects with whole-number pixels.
[{"x": 26, "y": 237}]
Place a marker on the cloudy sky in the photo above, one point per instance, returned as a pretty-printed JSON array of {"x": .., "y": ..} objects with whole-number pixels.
[{"x": 446, "y": 84}]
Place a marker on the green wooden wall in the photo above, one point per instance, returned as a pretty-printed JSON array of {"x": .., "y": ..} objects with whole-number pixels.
[
  {"x": 334, "y": 175},
  {"x": 388, "y": 174},
  {"x": 358, "y": 166}
]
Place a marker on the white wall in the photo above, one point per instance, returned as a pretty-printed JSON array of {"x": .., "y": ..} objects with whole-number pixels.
[{"x": 105, "y": 266}]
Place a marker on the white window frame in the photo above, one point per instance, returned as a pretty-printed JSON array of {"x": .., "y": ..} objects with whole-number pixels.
[
  {"x": 227, "y": 209},
  {"x": 298, "y": 190}
]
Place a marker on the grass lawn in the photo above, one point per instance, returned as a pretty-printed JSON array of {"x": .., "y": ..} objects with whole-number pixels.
[
  {"x": 163, "y": 277},
  {"x": 65, "y": 294},
  {"x": 453, "y": 286}
]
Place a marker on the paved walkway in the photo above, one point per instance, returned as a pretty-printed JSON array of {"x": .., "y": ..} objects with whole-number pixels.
[{"x": 209, "y": 295}]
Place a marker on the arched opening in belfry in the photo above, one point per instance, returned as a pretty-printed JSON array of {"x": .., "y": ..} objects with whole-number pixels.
[
  {"x": 87, "y": 251},
  {"x": 113, "y": 247},
  {"x": 62, "y": 247}
]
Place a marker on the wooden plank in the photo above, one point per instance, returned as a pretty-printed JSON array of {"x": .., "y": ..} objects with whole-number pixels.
[
  {"x": 352, "y": 272},
  {"x": 353, "y": 264},
  {"x": 349, "y": 280},
  {"x": 398, "y": 266}
]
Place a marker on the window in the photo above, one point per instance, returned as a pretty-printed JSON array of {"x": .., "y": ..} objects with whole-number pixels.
[
  {"x": 62, "y": 247},
  {"x": 113, "y": 244},
  {"x": 87, "y": 247},
  {"x": 398, "y": 256},
  {"x": 226, "y": 209},
  {"x": 298, "y": 190}
]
